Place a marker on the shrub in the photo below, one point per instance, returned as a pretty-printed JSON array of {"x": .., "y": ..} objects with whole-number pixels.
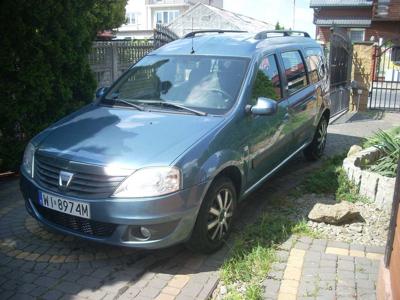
[
  {"x": 388, "y": 142},
  {"x": 44, "y": 72}
]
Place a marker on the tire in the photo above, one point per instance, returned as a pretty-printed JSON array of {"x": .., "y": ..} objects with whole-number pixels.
[
  {"x": 218, "y": 212},
  {"x": 315, "y": 150}
]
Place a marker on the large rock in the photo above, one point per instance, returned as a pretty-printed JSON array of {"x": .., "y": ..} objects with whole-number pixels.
[
  {"x": 354, "y": 150},
  {"x": 336, "y": 214}
]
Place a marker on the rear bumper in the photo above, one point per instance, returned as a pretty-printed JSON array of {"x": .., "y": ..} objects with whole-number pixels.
[{"x": 116, "y": 221}]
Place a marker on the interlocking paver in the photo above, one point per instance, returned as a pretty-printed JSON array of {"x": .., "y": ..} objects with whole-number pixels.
[
  {"x": 345, "y": 265},
  {"x": 179, "y": 281},
  {"x": 375, "y": 256},
  {"x": 192, "y": 289},
  {"x": 170, "y": 291},
  {"x": 375, "y": 249},
  {"x": 336, "y": 251},
  {"x": 337, "y": 244},
  {"x": 52, "y": 295}
]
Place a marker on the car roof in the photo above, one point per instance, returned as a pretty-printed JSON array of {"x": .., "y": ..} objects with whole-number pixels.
[{"x": 231, "y": 44}]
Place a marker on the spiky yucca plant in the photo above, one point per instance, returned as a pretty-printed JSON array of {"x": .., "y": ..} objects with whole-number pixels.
[{"x": 389, "y": 145}]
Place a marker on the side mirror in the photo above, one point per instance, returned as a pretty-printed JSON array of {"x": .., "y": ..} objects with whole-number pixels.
[
  {"x": 264, "y": 107},
  {"x": 101, "y": 92}
]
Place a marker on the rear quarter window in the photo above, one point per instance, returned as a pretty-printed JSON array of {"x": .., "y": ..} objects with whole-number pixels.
[
  {"x": 295, "y": 71},
  {"x": 315, "y": 64}
]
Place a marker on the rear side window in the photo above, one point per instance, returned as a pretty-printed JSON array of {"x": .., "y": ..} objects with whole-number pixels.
[
  {"x": 267, "y": 83},
  {"x": 295, "y": 71},
  {"x": 315, "y": 64}
]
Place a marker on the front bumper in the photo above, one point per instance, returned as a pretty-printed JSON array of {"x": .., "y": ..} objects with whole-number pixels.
[{"x": 169, "y": 218}]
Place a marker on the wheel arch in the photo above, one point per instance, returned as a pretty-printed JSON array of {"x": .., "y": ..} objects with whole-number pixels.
[
  {"x": 233, "y": 173},
  {"x": 326, "y": 113}
]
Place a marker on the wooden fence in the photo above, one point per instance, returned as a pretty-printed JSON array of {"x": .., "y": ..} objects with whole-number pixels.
[{"x": 108, "y": 60}]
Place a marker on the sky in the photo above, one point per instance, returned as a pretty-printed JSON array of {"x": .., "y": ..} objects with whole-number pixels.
[{"x": 272, "y": 11}]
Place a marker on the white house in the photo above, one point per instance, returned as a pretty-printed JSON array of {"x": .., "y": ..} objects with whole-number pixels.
[
  {"x": 143, "y": 15},
  {"x": 207, "y": 17}
]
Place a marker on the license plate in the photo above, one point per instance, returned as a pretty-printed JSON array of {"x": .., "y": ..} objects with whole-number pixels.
[{"x": 70, "y": 207}]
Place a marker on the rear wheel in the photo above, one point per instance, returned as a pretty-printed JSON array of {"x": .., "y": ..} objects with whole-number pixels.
[
  {"x": 315, "y": 150},
  {"x": 214, "y": 221}
]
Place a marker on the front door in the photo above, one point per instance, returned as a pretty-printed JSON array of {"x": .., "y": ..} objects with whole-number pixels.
[{"x": 268, "y": 136}]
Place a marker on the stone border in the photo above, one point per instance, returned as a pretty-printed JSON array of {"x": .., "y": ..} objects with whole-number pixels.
[{"x": 378, "y": 188}]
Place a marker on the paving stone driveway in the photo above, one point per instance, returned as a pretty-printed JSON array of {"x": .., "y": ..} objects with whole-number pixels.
[
  {"x": 38, "y": 263},
  {"x": 326, "y": 270}
]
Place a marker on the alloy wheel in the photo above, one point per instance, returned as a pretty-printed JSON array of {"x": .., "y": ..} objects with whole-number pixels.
[
  {"x": 322, "y": 134},
  {"x": 220, "y": 215}
]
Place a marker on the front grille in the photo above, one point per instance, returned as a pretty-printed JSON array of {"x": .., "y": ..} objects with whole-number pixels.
[
  {"x": 77, "y": 224},
  {"x": 87, "y": 181}
]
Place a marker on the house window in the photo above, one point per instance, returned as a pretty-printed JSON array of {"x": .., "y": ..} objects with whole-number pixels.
[
  {"x": 357, "y": 35},
  {"x": 131, "y": 18},
  {"x": 166, "y": 17}
]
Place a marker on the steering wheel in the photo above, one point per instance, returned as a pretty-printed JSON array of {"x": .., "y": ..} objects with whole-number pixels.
[{"x": 222, "y": 92}]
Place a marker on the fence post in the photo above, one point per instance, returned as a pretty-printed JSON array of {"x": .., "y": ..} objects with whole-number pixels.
[{"x": 114, "y": 60}]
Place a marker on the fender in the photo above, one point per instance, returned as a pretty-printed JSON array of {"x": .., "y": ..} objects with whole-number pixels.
[{"x": 221, "y": 160}]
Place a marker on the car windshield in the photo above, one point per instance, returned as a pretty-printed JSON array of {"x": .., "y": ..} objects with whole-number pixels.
[{"x": 205, "y": 83}]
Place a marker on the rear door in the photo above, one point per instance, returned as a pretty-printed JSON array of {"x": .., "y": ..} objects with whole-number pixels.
[{"x": 301, "y": 95}]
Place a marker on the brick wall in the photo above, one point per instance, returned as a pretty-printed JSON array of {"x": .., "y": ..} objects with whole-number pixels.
[
  {"x": 394, "y": 11},
  {"x": 345, "y": 12},
  {"x": 379, "y": 29},
  {"x": 386, "y": 30}
]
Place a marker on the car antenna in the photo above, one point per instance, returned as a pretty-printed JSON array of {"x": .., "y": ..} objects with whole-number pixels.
[{"x": 192, "y": 52}]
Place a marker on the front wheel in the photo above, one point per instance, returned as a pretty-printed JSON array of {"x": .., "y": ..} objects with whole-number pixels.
[
  {"x": 214, "y": 221},
  {"x": 315, "y": 150}
]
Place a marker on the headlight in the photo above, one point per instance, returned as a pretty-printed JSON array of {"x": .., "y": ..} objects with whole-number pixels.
[
  {"x": 29, "y": 159},
  {"x": 150, "y": 182}
]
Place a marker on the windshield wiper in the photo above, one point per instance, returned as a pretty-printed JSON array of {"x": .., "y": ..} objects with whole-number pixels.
[
  {"x": 117, "y": 100},
  {"x": 174, "y": 105}
]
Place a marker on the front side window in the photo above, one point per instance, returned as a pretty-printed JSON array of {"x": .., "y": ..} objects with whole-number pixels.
[
  {"x": 267, "y": 82},
  {"x": 295, "y": 71},
  {"x": 206, "y": 83}
]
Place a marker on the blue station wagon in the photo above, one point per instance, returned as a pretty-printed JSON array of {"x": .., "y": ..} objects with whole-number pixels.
[{"x": 166, "y": 153}]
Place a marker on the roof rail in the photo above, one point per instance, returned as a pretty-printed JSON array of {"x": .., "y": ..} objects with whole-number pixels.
[
  {"x": 194, "y": 33},
  {"x": 264, "y": 34}
]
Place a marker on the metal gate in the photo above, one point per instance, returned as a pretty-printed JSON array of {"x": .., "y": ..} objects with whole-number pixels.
[
  {"x": 340, "y": 52},
  {"x": 385, "y": 91}
]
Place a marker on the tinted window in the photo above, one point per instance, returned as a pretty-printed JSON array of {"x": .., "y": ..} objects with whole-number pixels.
[
  {"x": 315, "y": 64},
  {"x": 207, "y": 83},
  {"x": 267, "y": 83},
  {"x": 294, "y": 70}
]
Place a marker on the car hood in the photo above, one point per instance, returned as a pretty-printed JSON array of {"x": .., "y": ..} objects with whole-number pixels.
[{"x": 123, "y": 137}]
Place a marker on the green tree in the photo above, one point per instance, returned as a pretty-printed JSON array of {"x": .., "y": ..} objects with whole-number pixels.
[
  {"x": 279, "y": 26},
  {"x": 44, "y": 71},
  {"x": 263, "y": 87}
]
